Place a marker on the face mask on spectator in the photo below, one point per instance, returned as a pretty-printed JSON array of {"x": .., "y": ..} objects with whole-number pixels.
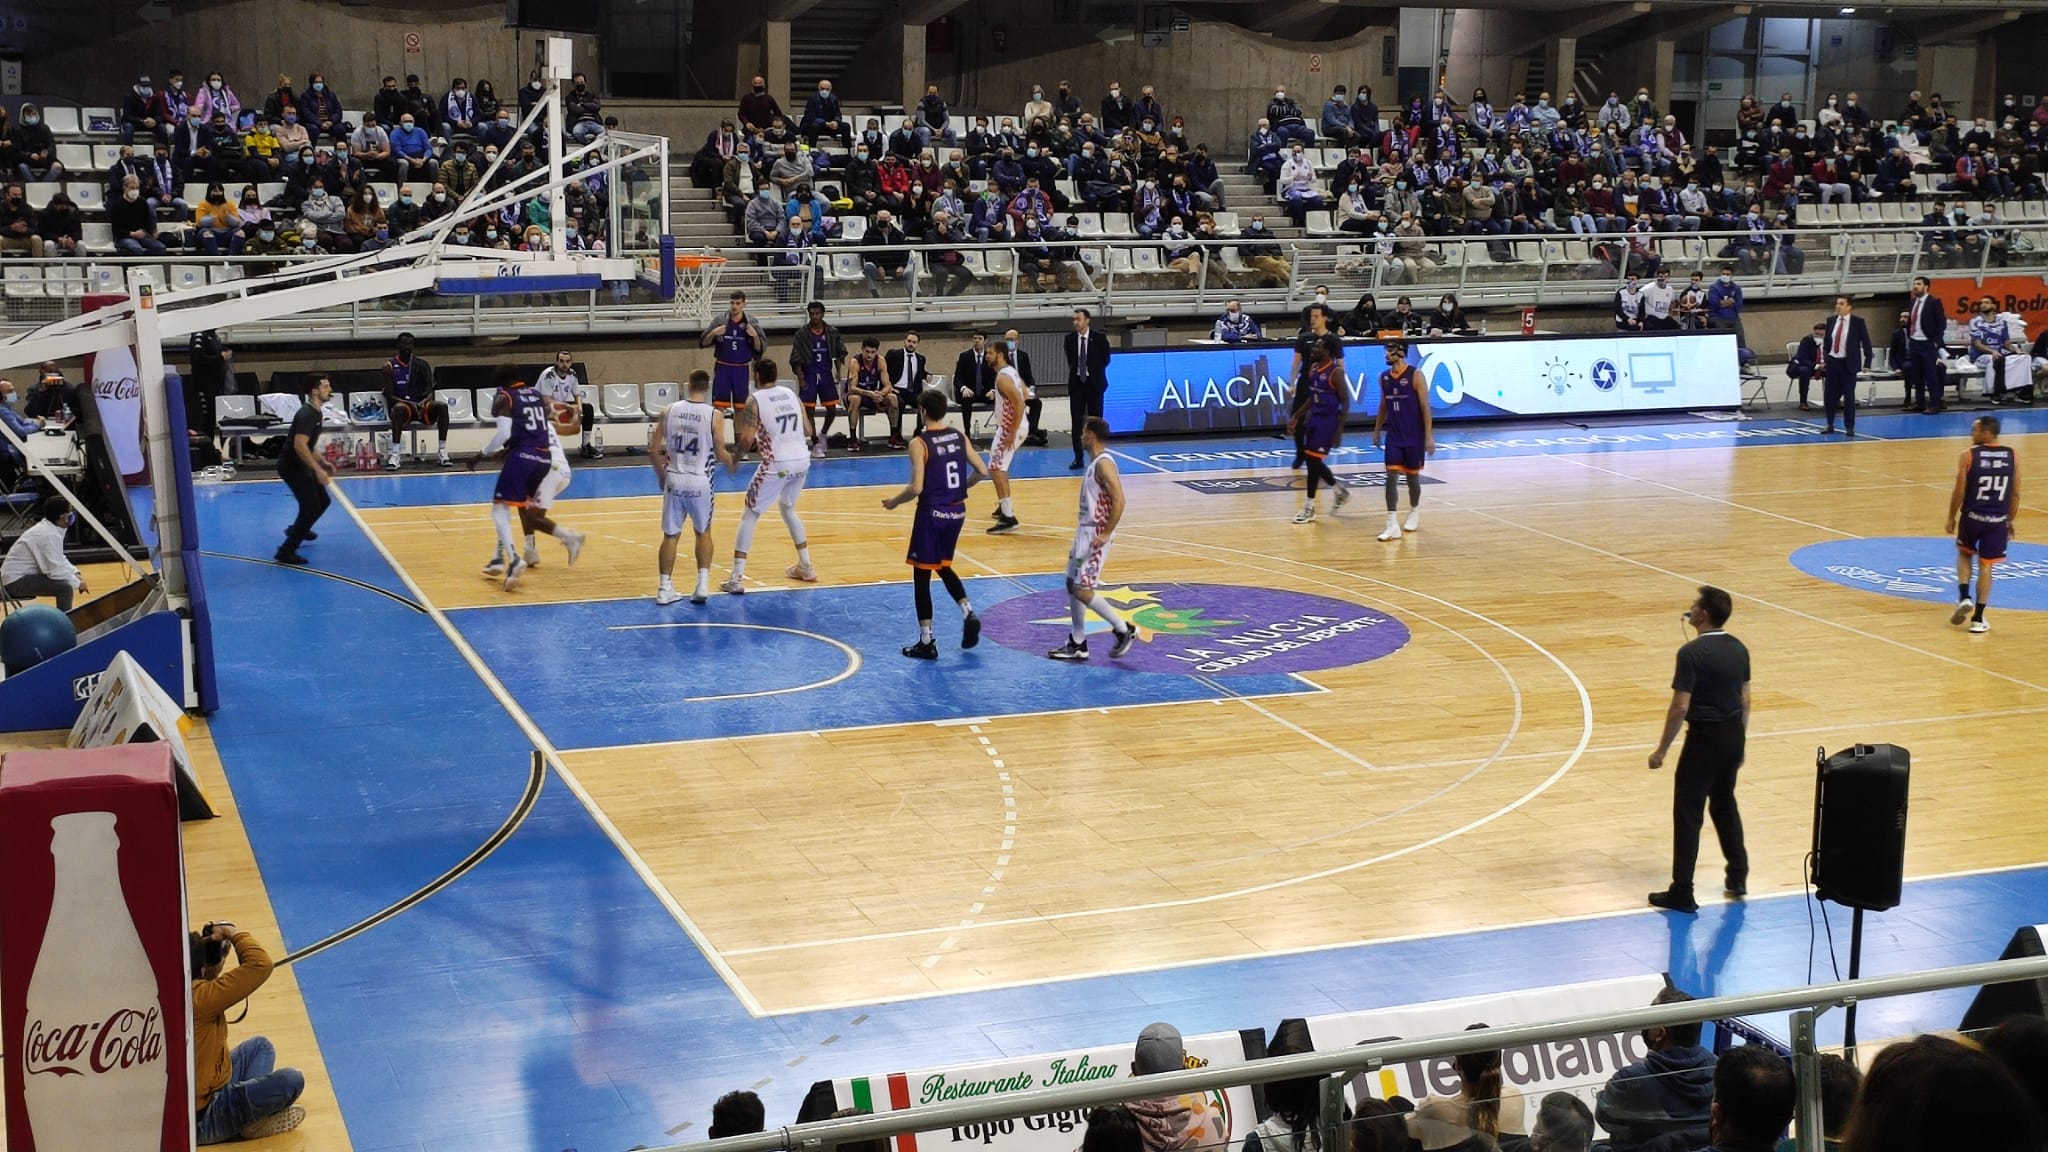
[
  {"x": 131, "y": 194},
  {"x": 266, "y": 234},
  {"x": 213, "y": 84},
  {"x": 31, "y": 121},
  {"x": 319, "y": 86},
  {"x": 491, "y": 234},
  {"x": 319, "y": 193},
  {"x": 177, "y": 84},
  {"x": 406, "y": 124},
  {"x": 405, "y": 197},
  {"x": 305, "y": 157}
]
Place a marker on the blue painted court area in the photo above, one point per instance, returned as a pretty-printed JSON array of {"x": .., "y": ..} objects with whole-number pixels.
[
  {"x": 547, "y": 1000},
  {"x": 1923, "y": 568},
  {"x": 802, "y": 660}
]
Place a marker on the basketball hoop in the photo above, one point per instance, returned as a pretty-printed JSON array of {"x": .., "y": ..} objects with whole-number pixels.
[{"x": 697, "y": 276}]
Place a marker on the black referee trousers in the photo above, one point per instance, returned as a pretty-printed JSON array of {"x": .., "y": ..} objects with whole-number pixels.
[{"x": 1704, "y": 785}]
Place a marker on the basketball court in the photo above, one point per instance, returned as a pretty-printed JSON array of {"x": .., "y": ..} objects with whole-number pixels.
[{"x": 759, "y": 847}]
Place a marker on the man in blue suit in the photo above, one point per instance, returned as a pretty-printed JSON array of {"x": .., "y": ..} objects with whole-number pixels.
[
  {"x": 1926, "y": 325},
  {"x": 1845, "y": 351}
]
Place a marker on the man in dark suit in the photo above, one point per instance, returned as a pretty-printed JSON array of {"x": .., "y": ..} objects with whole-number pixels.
[
  {"x": 974, "y": 382},
  {"x": 1033, "y": 406},
  {"x": 1805, "y": 364},
  {"x": 1845, "y": 348},
  {"x": 908, "y": 367},
  {"x": 1926, "y": 325},
  {"x": 1087, "y": 368}
]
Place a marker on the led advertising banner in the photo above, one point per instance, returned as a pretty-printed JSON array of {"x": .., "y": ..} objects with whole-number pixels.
[{"x": 1246, "y": 387}]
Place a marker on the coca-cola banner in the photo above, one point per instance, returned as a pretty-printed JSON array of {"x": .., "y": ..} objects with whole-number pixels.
[
  {"x": 117, "y": 387},
  {"x": 95, "y": 1000}
]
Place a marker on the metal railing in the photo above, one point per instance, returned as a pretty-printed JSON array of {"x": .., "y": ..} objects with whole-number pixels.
[
  {"x": 1335, "y": 1067},
  {"x": 1125, "y": 277}
]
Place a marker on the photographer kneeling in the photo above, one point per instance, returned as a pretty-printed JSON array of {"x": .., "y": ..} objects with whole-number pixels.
[{"x": 240, "y": 1095}]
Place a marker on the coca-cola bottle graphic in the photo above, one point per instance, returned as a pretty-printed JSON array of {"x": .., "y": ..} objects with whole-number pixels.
[{"x": 93, "y": 1046}]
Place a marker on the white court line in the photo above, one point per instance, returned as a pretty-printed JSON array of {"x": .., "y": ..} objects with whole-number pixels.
[
  {"x": 1585, "y": 739},
  {"x": 852, "y": 656},
  {"x": 540, "y": 741},
  {"x": 1311, "y": 949},
  {"x": 1140, "y": 461},
  {"x": 1298, "y": 730},
  {"x": 1754, "y": 599},
  {"x": 1683, "y": 491}
]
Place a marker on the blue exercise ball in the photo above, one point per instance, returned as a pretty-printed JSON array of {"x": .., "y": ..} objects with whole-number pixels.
[{"x": 32, "y": 635}]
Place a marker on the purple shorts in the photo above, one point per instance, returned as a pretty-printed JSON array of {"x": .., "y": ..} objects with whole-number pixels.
[
  {"x": 1322, "y": 432},
  {"x": 1404, "y": 457},
  {"x": 819, "y": 390},
  {"x": 1983, "y": 540},
  {"x": 729, "y": 384},
  {"x": 934, "y": 534},
  {"x": 520, "y": 478}
]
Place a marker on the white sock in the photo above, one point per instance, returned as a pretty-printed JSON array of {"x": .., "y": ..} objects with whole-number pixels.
[
  {"x": 1004, "y": 506},
  {"x": 501, "y": 517},
  {"x": 667, "y": 584},
  {"x": 924, "y": 631},
  {"x": 739, "y": 567},
  {"x": 529, "y": 542},
  {"x": 803, "y": 555},
  {"x": 1101, "y": 608},
  {"x": 1079, "y": 615},
  {"x": 703, "y": 579}
]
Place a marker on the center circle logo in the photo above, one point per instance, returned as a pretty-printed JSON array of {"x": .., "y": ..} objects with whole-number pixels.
[
  {"x": 1923, "y": 568},
  {"x": 1208, "y": 629}
]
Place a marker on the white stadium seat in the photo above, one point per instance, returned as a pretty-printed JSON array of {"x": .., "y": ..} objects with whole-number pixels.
[{"x": 622, "y": 402}]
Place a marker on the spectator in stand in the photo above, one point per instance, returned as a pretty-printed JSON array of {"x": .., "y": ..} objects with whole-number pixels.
[
  {"x": 950, "y": 274},
  {"x": 1117, "y": 110},
  {"x": 1563, "y": 1124},
  {"x": 762, "y": 219},
  {"x": 1203, "y": 179},
  {"x": 35, "y": 149},
  {"x": 138, "y": 110},
  {"x": 216, "y": 96},
  {"x": 737, "y": 1114},
  {"x": 437, "y": 204},
  {"x": 757, "y": 108},
  {"x": 18, "y": 236},
  {"x": 1483, "y": 1113},
  {"x": 414, "y": 99},
  {"x": 1038, "y": 107},
  {"x": 1840, "y": 1081},
  {"x": 890, "y": 259},
  {"x": 1449, "y": 318},
  {"x": 1286, "y": 119},
  {"x": 1669, "y": 1091},
  {"x": 1753, "y": 1099},
  {"x": 365, "y": 226},
  {"x": 821, "y": 117},
  {"x": 412, "y": 152},
  {"x": 291, "y": 135},
  {"x": 933, "y": 118},
  {"x": 405, "y": 215},
  {"x": 1172, "y": 1123},
  {"x": 1260, "y": 250},
  {"x": 1297, "y": 185},
  {"x": 216, "y": 221},
  {"x": 458, "y": 109},
  {"x": 2021, "y": 1045},
  {"x": 1065, "y": 103},
  {"x": 1335, "y": 121},
  {"x": 790, "y": 172},
  {"x": 62, "y": 226},
  {"x": 370, "y": 147},
  {"x": 265, "y": 153},
  {"x": 1067, "y": 255},
  {"x": 171, "y": 105},
  {"x": 1365, "y": 116},
  {"x": 320, "y": 111},
  {"x": 583, "y": 109},
  {"x": 1934, "y": 1092}
]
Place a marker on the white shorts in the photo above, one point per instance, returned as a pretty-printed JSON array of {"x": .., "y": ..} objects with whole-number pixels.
[
  {"x": 551, "y": 486},
  {"x": 1084, "y": 562},
  {"x": 680, "y": 507},
  {"x": 1001, "y": 454},
  {"x": 779, "y": 486}
]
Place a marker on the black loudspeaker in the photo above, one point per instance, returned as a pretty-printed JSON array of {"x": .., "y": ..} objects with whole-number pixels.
[
  {"x": 1997, "y": 1003},
  {"x": 1859, "y": 826}
]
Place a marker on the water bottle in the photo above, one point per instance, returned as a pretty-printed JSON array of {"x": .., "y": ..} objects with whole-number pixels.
[{"x": 597, "y": 438}]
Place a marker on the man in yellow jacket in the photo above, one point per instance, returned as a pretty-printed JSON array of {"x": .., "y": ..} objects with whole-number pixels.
[{"x": 243, "y": 1094}]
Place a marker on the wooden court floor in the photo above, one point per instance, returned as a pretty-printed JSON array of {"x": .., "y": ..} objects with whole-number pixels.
[{"x": 1490, "y": 773}]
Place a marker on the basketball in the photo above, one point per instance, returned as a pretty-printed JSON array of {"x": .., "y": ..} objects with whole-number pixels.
[{"x": 33, "y": 635}]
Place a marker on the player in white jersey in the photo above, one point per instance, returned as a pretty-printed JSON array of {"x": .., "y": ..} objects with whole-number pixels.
[
  {"x": 781, "y": 426},
  {"x": 1102, "y": 507},
  {"x": 1008, "y": 437},
  {"x": 564, "y": 394},
  {"x": 682, "y": 446}
]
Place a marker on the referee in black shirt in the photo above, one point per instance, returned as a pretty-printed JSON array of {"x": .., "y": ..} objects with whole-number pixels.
[
  {"x": 1710, "y": 694},
  {"x": 304, "y": 472}
]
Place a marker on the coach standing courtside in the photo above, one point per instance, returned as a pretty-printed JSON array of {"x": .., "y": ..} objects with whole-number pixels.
[
  {"x": 1926, "y": 327},
  {"x": 1845, "y": 351},
  {"x": 304, "y": 472},
  {"x": 1087, "y": 376},
  {"x": 1710, "y": 694}
]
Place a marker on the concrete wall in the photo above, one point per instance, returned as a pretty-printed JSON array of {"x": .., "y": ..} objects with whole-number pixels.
[
  {"x": 1218, "y": 76},
  {"x": 252, "y": 41},
  {"x": 1485, "y": 43}
]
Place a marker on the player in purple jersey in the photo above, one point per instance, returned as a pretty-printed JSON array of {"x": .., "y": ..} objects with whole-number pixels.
[
  {"x": 1410, "y": 437},
  {"x": 523, "y": 418},
  {"x": 1982, "y": 512},
  {"x": 817, "y": 360},
  {"x": 738, "y": 343},
  {"x": 943, "y": 466},
  {"x": 1321, "y": 423}
]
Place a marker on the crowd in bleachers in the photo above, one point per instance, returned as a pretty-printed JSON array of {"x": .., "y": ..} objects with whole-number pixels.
[
  {"x": 1988, "y": 1094},
  {"x": 199, "y": 169},
  {"x": 1614, "y": 179}
]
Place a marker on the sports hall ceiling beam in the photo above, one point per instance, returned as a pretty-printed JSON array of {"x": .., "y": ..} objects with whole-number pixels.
[
  {"x": 929, "y": 10},
  {"x": 1679, "y": 29},
  {"x": 1287, "y": 14},
  {"x": 786, "y": 9},
  {"x": 1943, "y": 32},
  {"x": 1601, "y": 19}
]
